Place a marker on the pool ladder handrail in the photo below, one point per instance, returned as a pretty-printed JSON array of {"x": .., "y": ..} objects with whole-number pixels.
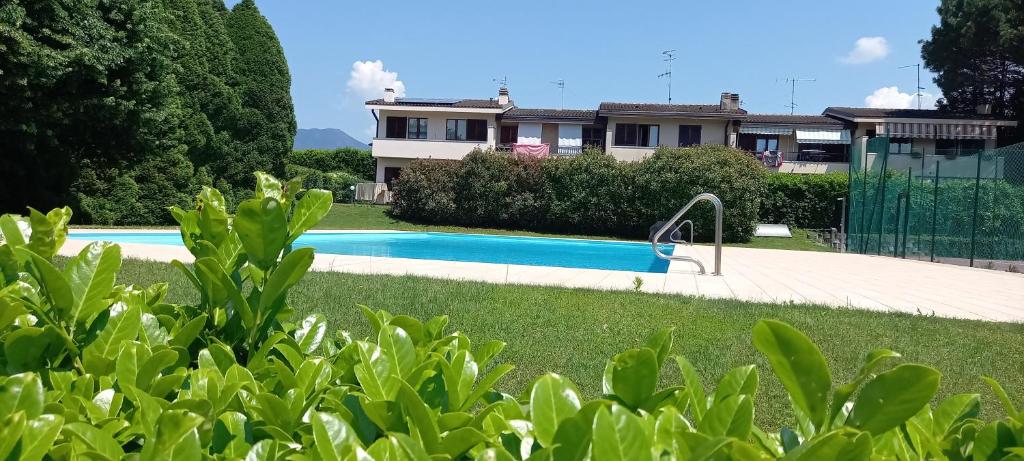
[
  {"x": 677, "y": 229},
  {"x": 718, "y": 234}
]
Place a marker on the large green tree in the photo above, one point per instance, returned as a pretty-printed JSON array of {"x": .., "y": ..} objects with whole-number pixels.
[
  {"x": 123, "y": 107},
  {"x": 977, "y": 50},
  {"x": 266, "y": 127},
  {"x": 88, "y": 95}
]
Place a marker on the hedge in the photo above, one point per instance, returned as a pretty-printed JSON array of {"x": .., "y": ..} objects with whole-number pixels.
[
  {"x": 356, "y": 162},
  {"x": 807, "y": 201},
  {"x": 590, "y": 193},
  {"x": 90, "y": 369},
  {"x": 338, "y": 182}
]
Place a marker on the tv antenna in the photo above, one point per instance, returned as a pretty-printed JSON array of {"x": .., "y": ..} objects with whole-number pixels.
[
  {"x": 503, "y": 81},
  {"x": 792, "y": 81},
  {"x": 669, "y": 57},
  {"x": 560, "y": 83},
  {"x": 919, "y": 87}
]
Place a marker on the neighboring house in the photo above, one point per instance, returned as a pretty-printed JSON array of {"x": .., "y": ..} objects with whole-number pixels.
[
  {"x": 553, "y": 131},
  {"x": 920, "y": 139},
  {"x": 410, "y": 128},
  {"x": 634, "y": 130},
  {"x": 928, "y": 132},
  {"x": 808, "y": 143}
]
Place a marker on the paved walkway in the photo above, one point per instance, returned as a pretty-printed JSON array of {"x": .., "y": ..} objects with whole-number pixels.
[{"x": 776, "y": 276}]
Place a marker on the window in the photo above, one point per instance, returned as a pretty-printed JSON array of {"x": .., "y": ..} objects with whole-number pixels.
[
  {"x": 509, "y": 134},
  {"x": 417, "y": 128},
  {"x": 593, "y": 136},
  {"x": 689, "y": 135},
  {"x": 959, "y": 146},
  {"x": 396, "y": 127},
  {"x": 899, "y": 145},
  {"x": 391, "y": 174},
  {"x": 766, "y": 142},
  {"x": 636, "y": 135},
  {"x": 466, "y": 130}
]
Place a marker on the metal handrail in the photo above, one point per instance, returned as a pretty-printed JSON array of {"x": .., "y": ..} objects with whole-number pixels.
[
  {"x": 718, "y": 234},
  {"x": 677, "y": 229}
]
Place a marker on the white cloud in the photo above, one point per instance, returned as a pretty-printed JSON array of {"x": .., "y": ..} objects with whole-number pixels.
[
  {"x": 890, "y": 97},
  {"x": 368, "y": 80},
  {"x": 867, "y": 49}
]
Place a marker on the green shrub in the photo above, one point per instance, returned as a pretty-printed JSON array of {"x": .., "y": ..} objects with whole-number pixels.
[
  {"x": 356, "y": 162},
  {"x": 426, "y": 191},
  {"x": 340, "y": 183},
  {"x": 807, "y": 201},
  {"x": 92, "y": 369},
  {"x": 591, "y": 193}
]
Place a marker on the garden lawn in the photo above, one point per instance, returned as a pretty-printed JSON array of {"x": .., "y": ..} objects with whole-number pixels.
[
  {"x": 573, "y": 332},
  {"x": 344, "y": 216}
]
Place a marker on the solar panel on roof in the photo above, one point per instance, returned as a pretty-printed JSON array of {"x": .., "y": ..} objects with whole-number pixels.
[{"x": 428, "y": 100}]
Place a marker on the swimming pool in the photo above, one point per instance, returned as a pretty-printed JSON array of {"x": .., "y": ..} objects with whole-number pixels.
[{"x": 530, "y": 251}]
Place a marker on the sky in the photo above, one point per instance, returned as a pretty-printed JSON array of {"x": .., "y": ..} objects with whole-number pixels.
[{"x": 343, "y": 53}]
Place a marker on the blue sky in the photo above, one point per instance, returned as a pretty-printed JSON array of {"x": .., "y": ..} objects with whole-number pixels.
[{"x": 604, "y": 50}]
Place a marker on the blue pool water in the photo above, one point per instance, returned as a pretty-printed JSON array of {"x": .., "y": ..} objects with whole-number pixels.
[{"x": 531, "y": 251}]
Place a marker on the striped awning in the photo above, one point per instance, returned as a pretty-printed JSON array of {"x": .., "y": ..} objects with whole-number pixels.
[
  {"x": 755, "y": 129},
  {"x": 939, "y": 130},
  {"x": 823, "y": 136}
]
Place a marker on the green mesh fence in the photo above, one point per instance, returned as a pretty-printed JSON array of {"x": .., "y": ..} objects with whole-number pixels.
[{"x": 964, "y": 207}]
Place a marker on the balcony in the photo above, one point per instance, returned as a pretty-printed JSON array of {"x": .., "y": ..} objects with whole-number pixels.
[
  {"x": 551, "y": 150},
  {"x": 425, "y": 148}
]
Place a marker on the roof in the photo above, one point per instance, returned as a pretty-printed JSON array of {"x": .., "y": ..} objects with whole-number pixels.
[
  {"x": 869, "y": 112},
  {"x": 550, "y": 114},
  {"x": 780, "y": 119},
  {"x": 699, "y": 110},
  {"x": 425, "y": 102}
]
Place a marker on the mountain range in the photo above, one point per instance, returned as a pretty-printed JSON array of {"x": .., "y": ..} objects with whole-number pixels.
[{"x": 325, "y": 138}]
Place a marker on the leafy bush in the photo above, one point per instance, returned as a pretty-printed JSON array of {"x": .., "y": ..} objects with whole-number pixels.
[
  {"x": 356, "y": 162},
  {"x": 426, "y": 191},
  {"x": 340, "y": 183},
  {"x": 590, "y": 193},
  {"x": 807, "y": 201},
  {"x": 105, "y": 371}
]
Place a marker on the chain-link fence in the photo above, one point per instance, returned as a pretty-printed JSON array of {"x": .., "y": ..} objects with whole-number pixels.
[{"x": 961, "y": 207}]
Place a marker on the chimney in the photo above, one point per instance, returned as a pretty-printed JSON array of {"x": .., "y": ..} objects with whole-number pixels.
[
  {"x": 503, "y": 96},
  {"x": 729, "y": 101},
  {"x": 389, "y": 95},
  {"x": 984, "y": 109}
]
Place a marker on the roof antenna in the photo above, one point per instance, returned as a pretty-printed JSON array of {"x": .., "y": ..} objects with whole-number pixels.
[
  {"x": 503, "y": 81},
  {"x": 792, "y": 81},
  {"x": 669, "y": 57},
  {"x": 919, "y": 87},
  {"x": 560, "y": 83}
]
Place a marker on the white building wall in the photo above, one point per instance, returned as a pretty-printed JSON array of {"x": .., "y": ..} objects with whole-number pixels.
[
  {"x": 435, "y": 146},
  {"x": 712, "y": 132}
]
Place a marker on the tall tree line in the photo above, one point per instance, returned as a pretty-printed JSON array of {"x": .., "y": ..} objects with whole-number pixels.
[
  {"x": 124, "y": 107},
  {"x": 977, "y": 50}
]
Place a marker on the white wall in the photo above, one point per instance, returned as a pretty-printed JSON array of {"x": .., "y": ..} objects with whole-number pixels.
[
  {"x": 386, "y": 162},
  {"x": 435, "y": 146},
  {"x": 711, "y": 132}
]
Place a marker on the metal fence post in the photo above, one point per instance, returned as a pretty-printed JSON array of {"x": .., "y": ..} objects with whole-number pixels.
[
  {"x": 906, "y": 212},
  {"x": 974, "y": 221},
  {"x": 935, "y": 208},
  {"x": 896, "y": 234}
]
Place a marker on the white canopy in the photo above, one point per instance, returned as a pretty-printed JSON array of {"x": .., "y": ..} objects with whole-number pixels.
[{"x": 823, "y": 136}]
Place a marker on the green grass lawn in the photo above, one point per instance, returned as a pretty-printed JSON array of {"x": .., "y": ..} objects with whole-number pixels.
[
  {"x": 372, "y": 217},
  {"x": 574, "y": 331}
]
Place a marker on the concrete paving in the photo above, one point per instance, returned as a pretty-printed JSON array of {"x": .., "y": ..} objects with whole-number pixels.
[{"x": 772, "y": 276}]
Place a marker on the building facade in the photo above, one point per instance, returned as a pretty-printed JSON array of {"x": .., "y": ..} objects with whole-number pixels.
[{"x": 412, "y": 128}]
